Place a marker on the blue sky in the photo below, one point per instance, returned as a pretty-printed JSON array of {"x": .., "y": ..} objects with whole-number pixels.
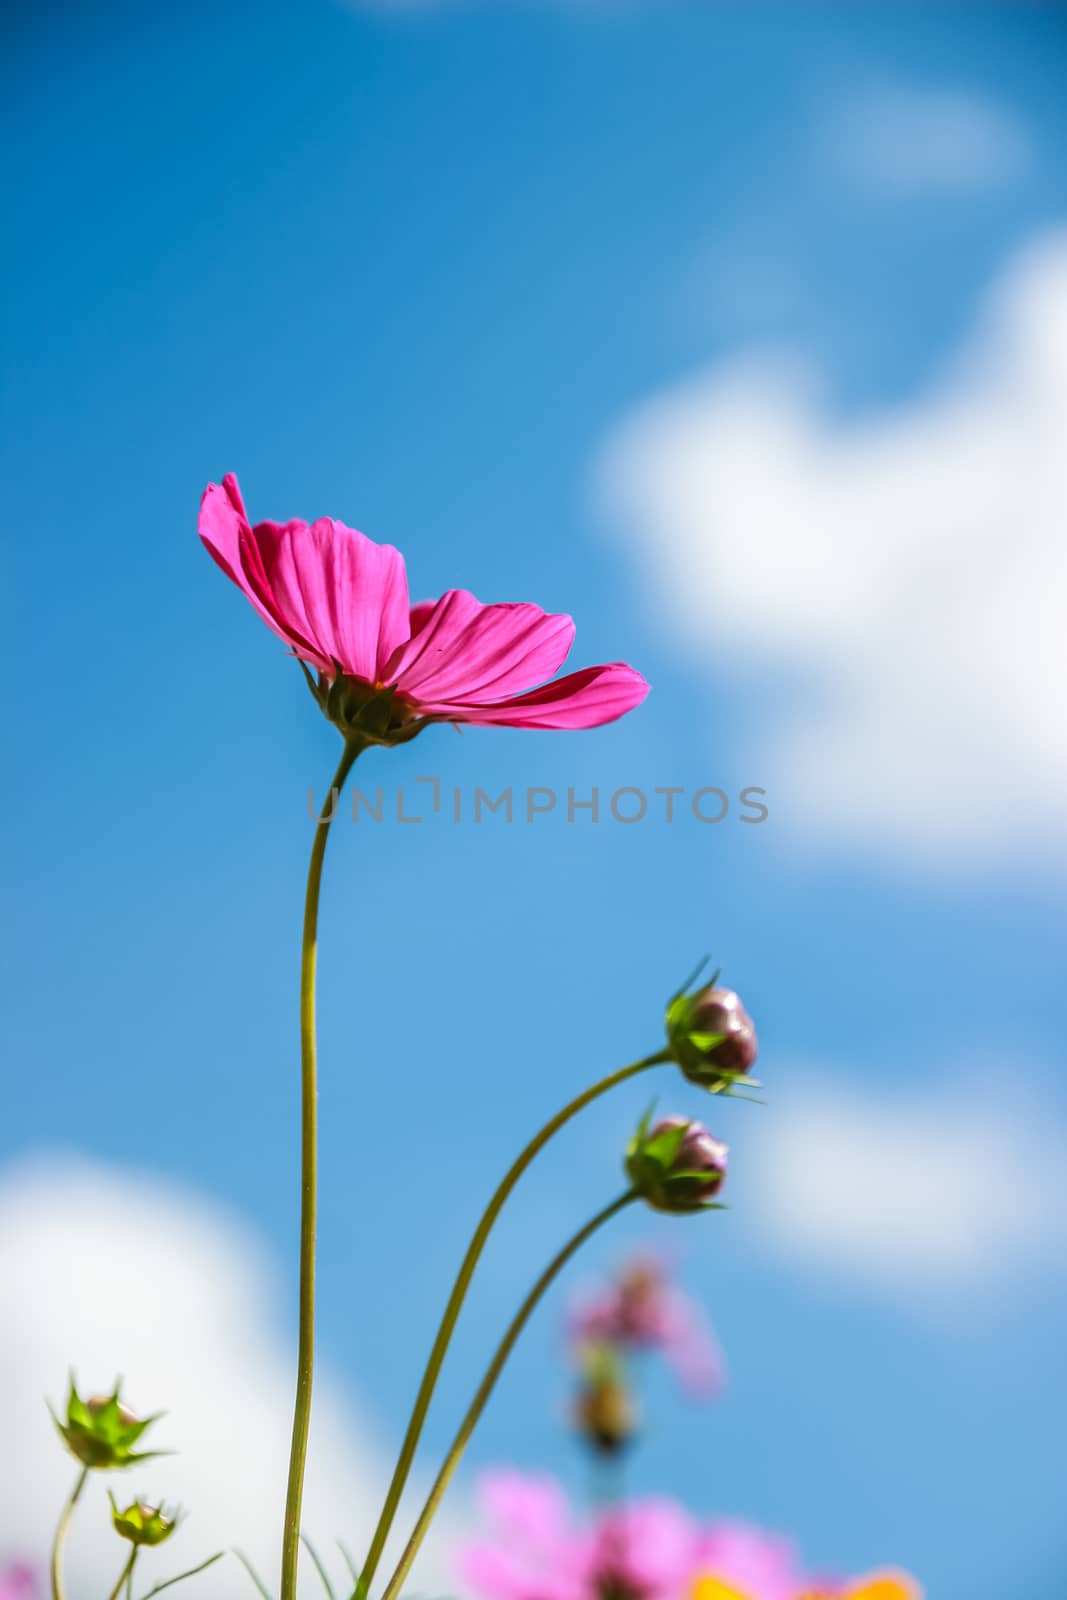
[{"x": 426, "y": 269}]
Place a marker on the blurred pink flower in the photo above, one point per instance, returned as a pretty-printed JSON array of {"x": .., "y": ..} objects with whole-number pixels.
[
  {"x": 648, "y": 1550},
  {"x": 733, "y": 1558},
  {"x": 532, "y": 1551},
  {"x": 18, "y": 1582},
  {"x": 643, "y": 1310},
  {"x": 340, "y": 602}
]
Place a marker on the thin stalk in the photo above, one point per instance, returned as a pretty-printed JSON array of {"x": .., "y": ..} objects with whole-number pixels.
[
  {"x": 308, "y": 1180},
  {"x": 459, "y": 1293},
  {"x": 125, "y": 1576},
  {"x": 62, "y": 1529},
  {"x": 488, "y": 1383}
]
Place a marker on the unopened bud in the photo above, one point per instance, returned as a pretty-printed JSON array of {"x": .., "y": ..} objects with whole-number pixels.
[
  {"x": 605, "y": 1411},
  {"x": 676, "y": 1165},
  {"x": 101, "y": 1432},
  {"x": 712, "y": 1037},
  {"x": 143, "y": 1524}
]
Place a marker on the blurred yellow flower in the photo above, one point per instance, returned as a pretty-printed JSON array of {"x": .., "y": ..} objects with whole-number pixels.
[
  {"x": 879, "y": 1586},
  {"x": 712, "y": 1589}
]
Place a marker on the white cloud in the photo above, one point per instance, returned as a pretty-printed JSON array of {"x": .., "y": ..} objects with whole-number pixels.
[
  {"x": 937, "y": 140},
  {"x": 930, "y": 1196},
  {"x": 900, "y": 579},
  {"x": 113, "y": 1273}
]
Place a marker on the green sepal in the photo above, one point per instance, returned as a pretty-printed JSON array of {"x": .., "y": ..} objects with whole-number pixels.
[
  {"x": 101, "y": 1433},
  {"x": 361, "y": 711},
  {"x": 688, "y": 983},
  {"x": 662, "y": 1148}
]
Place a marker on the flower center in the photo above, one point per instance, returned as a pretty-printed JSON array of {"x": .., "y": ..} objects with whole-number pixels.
[
  {"x": 612, "y": 1587},
  {"x": 708, "y": 1587}
]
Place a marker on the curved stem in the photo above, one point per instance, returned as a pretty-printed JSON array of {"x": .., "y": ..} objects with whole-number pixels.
[
  {"x": 459, "y": 1294},
  {"x": 168, "y": 1583},
  {"x": 308, "y": 1179},
  {"x": 124, "y": 1576},
  {"x": 62, "y": 1528},
  {"x": 485, "y": 1388}
]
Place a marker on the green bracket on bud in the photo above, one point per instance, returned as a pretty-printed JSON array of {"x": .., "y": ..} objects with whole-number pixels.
[
  {"x": 676, "y": 1165},
  {"x": 101, "y": 1432},
  {"x": 143, "y": 1524},
  {"x": 711, "y": 1036}
]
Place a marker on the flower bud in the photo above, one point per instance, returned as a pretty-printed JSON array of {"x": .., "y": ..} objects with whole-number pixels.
[
  {"x": 676, "y": 1165},
  {"x": 711, "y": 1036},
  {"x": 143, "y": 1524},
  {"x": 605, "y": 1411},
  {"x": 101, "y": 1432}
]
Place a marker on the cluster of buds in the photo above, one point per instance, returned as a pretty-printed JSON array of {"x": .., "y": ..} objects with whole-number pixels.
[
  {"x": 675, "y": 1165},
  {"x": 640, "y": 1311},
  {"x": 102, "y": 1434}
]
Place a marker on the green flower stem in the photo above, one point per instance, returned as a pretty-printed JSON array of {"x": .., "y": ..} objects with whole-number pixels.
[
  {"x": 459, "y": 1294},
  {"x": 125, "y": 1576},
  {"x": 62, "y": 1528},
  {"x": 485, "y": 1388},
  {"x": 309, "y": 1179}
]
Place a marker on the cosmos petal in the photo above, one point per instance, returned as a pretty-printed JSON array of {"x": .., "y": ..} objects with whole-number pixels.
[
  {"x": 585, "y": 699},
  {"x": 467, "y": 651}
]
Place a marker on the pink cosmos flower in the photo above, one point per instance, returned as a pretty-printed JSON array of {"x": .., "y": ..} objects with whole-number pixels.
[
  {"x": 340, "y": 602},
  {"x": 734, "y": 1561},
  {"x": 532, "y": 1550},
  {"x": 18, "y": 1582},
  {"x": 648, "y": 1550},
  {"x": 643, "y": 1310}
]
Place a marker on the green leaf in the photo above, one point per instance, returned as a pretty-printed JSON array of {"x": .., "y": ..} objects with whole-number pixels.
[
  {"x": 253, "y": 1574},
  {"x": 349, "y": 1562},
  {"x": 319, "y": 1568},
  {"x": 192, "y": 1572}
]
